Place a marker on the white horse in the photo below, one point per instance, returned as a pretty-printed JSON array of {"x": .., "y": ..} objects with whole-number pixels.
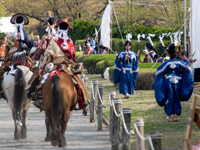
[{"x": 13, "y": 90}]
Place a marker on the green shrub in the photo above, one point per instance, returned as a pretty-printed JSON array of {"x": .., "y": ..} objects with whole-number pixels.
[
  {"x": 81, "y": 29},
  {"x": 145, "y": 81},
  {"x": 2, "y": 35},
  {"x": 81, "y": 58},
  {"x": 91, "y": 61}
]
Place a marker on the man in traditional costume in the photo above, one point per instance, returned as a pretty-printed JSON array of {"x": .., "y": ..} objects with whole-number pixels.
[
  {"x": 126, "y": 70},
  {"x": 173, "y": 84},
  {"x": 25, "y": 42},
  {"x": 60, "y": 56},
  {"x": 18, "y": 44}
]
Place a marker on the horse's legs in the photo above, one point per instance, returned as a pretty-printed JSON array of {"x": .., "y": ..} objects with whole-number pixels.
[
  {"x": 62, "y": 140},
  {"x": 18, "y": 125},
  {"x": 17, "y": 131},
  {"x": 48, "y": 130},
  {"x": 54, "y": 131},
  {"x": 24, "y": 115}
]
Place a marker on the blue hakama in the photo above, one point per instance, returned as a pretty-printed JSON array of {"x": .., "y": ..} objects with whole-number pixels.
[
  {"x": 173, "y": 84},
  {"x": 126, "y": 77}
]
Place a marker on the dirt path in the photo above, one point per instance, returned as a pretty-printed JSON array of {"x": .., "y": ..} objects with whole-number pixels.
[{"x": 80, "y": 134}]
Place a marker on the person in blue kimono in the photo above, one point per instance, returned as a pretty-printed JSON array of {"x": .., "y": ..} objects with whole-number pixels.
[
  {"x": 173, "y": 84},
  {"x": 126, "y": 70}
]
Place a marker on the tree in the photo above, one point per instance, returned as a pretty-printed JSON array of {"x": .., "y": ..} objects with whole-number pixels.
[{"x": 74, "y": 9}]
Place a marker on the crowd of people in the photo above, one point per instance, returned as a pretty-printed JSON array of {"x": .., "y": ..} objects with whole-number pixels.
[
  {"x": 90, "y": 46},
  {"x": 151, "y": 55}
]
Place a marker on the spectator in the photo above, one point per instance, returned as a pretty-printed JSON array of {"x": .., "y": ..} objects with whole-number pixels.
[
  {"x": 157, "y": 58},
  {"x": 88, "y": 50},
  {"x": 104, "y": 51},
  {"x": 126, "y": 70},
  {"x": 101, "y": 48},
  {"x": 173, "y": 84},
  {"x": 184, "y": 58},
  {"x": 87, "y": 39},
  {"x": 178, "y": 49},
  {"x": 152, "y": 53},
  {"x": 36, "y": 40},
  {"x": 92, "y": 42},
  {"x": 149, "y": 47},
  {"x": 147, "y": 58}
]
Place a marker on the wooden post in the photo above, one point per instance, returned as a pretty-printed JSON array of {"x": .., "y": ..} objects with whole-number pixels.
[
  {"x": 140, "y": 142},
  {"x": 82, "y": 76},
  {"x": 93, "y": 101},
  {"x": 156, "y": 140},
  {"x": 116, "y": 125},
  {"x": 86, "y": 82},
  {"x": 112, "y": 96},
  {"x": 125, "y": 137},
  {"x": 187, "y": 143},
  {"x": 99, "y": 115},
  {"x": 191, "y": 117}
]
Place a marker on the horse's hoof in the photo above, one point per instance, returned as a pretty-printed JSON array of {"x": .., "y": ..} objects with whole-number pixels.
[
  {"x": 54, "y": 143},
  {"x": 62, "y": 143},
  {"x": 84, "y": 112},
  {"x": 23, "y": 136},
  {"x": 47, "y": 139},
  {"x": 16, "y": 138}
]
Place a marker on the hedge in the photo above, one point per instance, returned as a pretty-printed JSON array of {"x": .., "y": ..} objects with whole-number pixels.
[
  {"x": 145, "y": 80},
  {"x": 91, "y": 61}
]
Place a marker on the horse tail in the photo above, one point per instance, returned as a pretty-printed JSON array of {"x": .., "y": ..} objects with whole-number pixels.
[
  {"x": 19, "y": 91},
  {"x": 56, "y": 102}
]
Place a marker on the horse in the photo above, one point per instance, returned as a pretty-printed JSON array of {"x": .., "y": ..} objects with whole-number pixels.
[
  {"x": 59, "y": 98},
  {"x": 13, "y": 90}
]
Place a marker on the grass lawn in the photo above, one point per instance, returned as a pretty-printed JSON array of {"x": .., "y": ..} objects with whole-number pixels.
[{"x": 143, "y": 105}]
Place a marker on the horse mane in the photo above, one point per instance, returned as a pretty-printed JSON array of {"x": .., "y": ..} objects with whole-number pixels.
[{"x": 19, "y": 90}]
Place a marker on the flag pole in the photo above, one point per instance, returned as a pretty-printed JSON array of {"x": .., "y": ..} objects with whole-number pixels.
[{"x": 185, "y": 26}]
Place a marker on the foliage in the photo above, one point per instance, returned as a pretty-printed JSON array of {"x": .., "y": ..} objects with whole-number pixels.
[
  {"x": 74, "y": 9},
  {"x": 1, "y": 35},
  {"x": 138, "y": 19},
  {"x": 81, "y": 29},
  {"x": 91, "y": 61}
]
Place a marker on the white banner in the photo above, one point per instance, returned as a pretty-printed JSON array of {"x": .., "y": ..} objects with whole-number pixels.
[
  {"x": 105, "y": 26},
  {"x": 195, "y": 31}
]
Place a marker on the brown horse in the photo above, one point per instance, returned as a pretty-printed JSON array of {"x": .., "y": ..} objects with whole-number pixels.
[{"x": 59, "y": 97}]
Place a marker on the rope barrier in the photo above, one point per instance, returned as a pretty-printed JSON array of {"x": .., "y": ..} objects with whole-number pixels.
[
  {"x": 118, "y": 115},
  {"x": 97, "y": 94},
  {"x": 102, "y": 104},
  {"x": 135, "y": 126},
  {"x": 125, "y": 127},
  {"x": 144, "y": 138}
]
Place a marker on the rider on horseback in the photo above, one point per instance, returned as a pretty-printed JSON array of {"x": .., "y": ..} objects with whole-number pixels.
[
  {"x": 18, "y": 44},
  {"x": 60, "y": 56}
]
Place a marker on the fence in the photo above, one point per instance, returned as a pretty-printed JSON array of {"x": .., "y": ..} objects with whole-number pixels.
[{"x": 114, "y": 124}]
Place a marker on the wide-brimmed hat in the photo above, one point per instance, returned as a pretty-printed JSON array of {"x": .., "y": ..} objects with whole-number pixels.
[
  {"x": 64, "y": 24},
  {"x": 19, "y": 18}
]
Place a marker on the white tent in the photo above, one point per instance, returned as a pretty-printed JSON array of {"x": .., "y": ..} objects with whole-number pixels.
[
  {"x": 6, "y": 26},
  {"x": 195, "y": 30}
]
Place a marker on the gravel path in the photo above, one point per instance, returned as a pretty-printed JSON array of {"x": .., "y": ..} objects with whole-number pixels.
[{"x": 80, "y": 134}]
